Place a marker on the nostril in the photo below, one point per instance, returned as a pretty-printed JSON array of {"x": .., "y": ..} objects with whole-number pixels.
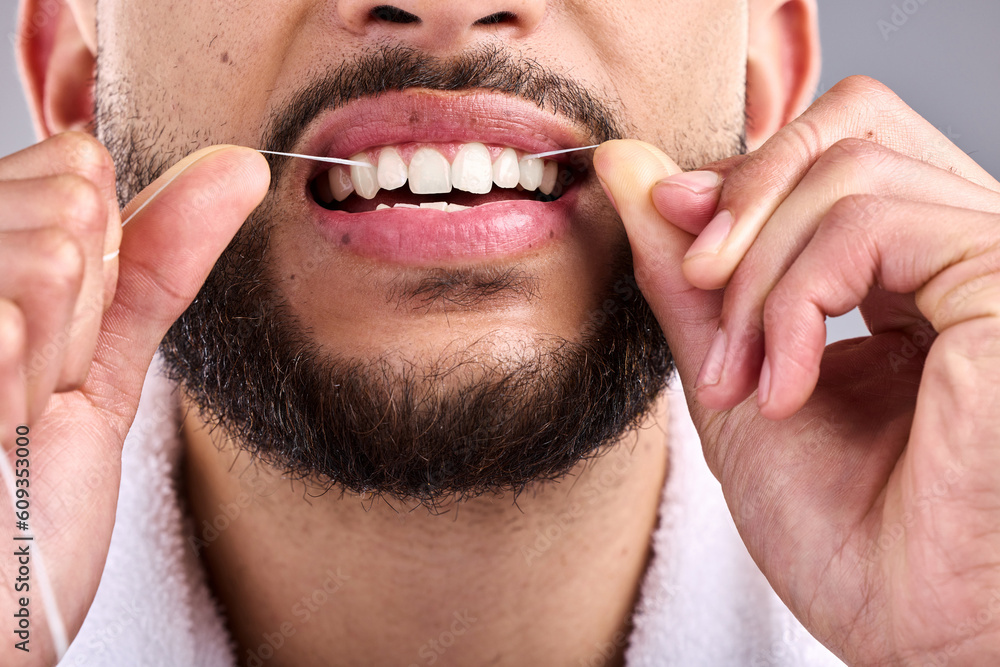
[
  {"x": 393, "y": 15},
  {"x": 497, "y": 18}
]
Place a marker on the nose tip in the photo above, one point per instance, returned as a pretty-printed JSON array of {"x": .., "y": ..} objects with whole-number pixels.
[{"x": 441, "y": 25}]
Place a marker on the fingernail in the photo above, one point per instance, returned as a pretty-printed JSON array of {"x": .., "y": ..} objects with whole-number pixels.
[
  {"x": 764, "y": 389},
  {"x": 711, "y": 370},
  {"x": 609, "y": 195},
  {"x": 712, "y": 238},
  {"x": 698, "y": 182}
]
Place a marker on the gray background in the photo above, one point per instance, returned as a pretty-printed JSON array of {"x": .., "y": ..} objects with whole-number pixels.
[{"x": 941, "y": 56}]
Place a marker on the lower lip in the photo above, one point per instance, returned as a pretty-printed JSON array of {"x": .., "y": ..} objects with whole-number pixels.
[{"x": 417, "y": 236}]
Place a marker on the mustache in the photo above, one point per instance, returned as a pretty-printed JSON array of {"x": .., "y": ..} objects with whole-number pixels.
[{"x": 397, "y": 68}]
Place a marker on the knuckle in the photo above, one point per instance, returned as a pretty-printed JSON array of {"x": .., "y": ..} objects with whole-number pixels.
[
  {"x": 856, "y": 150},
  {"x": 58, "y": 259},
  {"x": 866, "y": 89},
  {"x": 855, "y": 156},
  {"x": 862, "y": 106},
  {"x": 973, "y": 295},
  {"x": 83, "y": 153},
  {"x": 851, "y": 234},
  {"x": 755, "y": 181},
  {"x": 798, "y": 143},
  {"x": 79, "y": 202},
  {"x": 855, "y": 213},
  {"x": 785, "y": 315},
  {"x": 859, "y": 83},
  {"x": 804, "y": 137}
]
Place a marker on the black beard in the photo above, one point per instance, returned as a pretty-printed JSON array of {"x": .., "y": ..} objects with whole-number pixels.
[{"x": 370, "y": 426}]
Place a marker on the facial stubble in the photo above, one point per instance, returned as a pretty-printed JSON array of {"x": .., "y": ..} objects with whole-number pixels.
[{"x": 404, "y": 430}]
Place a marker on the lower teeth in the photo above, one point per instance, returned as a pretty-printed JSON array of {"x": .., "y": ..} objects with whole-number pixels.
[
  {"x": 439, "y": 205},
  {"x": 325, "y": 199}
]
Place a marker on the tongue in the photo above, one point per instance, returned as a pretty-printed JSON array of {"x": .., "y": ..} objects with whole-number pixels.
[{"x": 356, "y": 204}]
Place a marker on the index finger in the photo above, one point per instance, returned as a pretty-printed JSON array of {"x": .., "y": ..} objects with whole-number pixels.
[
  {"x": 67, "y": 153},
  {"x": 73, "y": 153},
  {"x": 856, "y": 108}
]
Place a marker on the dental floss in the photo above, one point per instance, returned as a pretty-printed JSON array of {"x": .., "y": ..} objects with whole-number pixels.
[
  {"x": 57, "y": 628},
  {"x": 337, "y": 160},
  {"x": 565, "y": 150},
  {"x": 334, "y": 160}
]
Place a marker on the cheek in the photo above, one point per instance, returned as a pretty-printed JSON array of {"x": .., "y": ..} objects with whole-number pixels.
[
  {"x": 685, "y": 64},
  {"x": 201, "y": 68}
]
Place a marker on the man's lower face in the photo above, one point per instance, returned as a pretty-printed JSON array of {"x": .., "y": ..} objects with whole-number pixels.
[{"x": 353, "y": 341}]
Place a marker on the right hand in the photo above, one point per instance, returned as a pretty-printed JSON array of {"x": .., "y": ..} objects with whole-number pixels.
[{"x": 77, "y": 335}]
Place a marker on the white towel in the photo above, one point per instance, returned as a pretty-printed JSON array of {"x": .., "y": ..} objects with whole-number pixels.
[
  {"x": 153, "y": 607},
  {"x": 703, "y": 600}
]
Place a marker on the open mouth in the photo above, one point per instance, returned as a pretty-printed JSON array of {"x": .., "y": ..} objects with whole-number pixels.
[
  {"x": 450, "y": 182},
  {"x": 448, "y": 177}
]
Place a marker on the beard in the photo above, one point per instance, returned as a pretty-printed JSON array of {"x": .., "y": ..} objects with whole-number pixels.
[{"x": 451, "y": 429}]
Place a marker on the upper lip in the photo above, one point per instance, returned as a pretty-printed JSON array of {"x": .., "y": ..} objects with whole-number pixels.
[{"x": 435, "y": 117}]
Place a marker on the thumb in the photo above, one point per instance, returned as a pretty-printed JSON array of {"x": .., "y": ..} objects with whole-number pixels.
[
  {"x": 176, "y": 230},
  {"x": 628, "y": 170}
]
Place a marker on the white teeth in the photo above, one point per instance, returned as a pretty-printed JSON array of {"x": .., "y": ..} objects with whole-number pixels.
[
  {"x": 340, "y": 182},
  {"x": 531, "y": 173},
  {"x": 430, "y": 173},
  {"x": 391, "y": 170},
  {"x": 472, "y": 170},
  {"x": 505, "y": 171},
  {"x": 438, "y": 205},
  {"x": 365, "y": 178},
  {"x": 549, "y": 175}
]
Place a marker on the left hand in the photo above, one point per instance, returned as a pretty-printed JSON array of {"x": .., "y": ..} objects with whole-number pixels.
[{"x": 863, "y": 477}]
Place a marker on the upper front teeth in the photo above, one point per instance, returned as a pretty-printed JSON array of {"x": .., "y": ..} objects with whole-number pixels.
[
  {"x": 472, "y": 169},
  {"x": 531, "y": 173},
  {"x": 392, "y": 170},
  {"x": 366, "y": 182},
  {"x": 429, "y": 172},
  {"x": 506, "y": 172}
]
